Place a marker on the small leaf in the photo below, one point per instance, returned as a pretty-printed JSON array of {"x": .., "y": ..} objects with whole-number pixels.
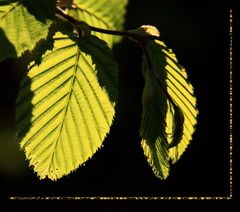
[
  {"x": 106, "y": 14},
  {"x": 169, "y": 117},
  {"x": 22, "y": 24},
  {"x": 65, "y": 106}
]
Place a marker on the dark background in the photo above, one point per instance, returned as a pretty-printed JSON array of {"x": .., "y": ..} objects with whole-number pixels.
[{"x": 199, "y": 35}]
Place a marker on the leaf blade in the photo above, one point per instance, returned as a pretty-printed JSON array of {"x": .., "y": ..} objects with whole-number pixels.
[
  {"x": 72, "y": 110},
  {"x": 182, "y": 93},
  {"x": 22, "y": 24},
  {"x": 175, "y": 111}
]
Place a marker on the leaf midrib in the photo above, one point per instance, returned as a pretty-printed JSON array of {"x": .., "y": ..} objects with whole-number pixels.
[{"x": 67, "y": 104}]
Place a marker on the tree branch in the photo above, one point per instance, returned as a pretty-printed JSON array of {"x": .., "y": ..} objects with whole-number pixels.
[{"x": 75, "y": 22}]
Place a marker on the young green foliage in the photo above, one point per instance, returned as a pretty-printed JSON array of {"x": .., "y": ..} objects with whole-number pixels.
[
  {"x": 72, "y": 93},
  {"x": 166, "y": 98},
  {"x": 65, "y": 106}
]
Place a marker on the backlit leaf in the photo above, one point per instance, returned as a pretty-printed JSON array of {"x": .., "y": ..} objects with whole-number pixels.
[
  {"x": 169, "y": 109},
  {"x": 66, "y": 104},
  {"x": 105, "y": 14},
  {"x": 22, "y": 24}
]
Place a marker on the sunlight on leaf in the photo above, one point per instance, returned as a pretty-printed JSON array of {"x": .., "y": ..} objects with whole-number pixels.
[
  {"x": 106, "y": 14},
  {"x": 70, "y": 99},
  {"x": 22, "y": 24},
  {"x": 169, "y": 109}
]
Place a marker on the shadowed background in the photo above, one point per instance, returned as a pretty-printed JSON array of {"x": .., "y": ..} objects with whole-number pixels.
[{"x": 198, "y": 34}]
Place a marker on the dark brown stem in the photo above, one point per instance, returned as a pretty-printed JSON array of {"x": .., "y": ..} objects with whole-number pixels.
[
  {"x": 69, "y": 18},
  {"x": 132, "y": 35}
]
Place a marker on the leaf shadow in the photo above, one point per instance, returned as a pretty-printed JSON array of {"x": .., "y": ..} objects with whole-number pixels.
[
  {"x": 107, "y": 71},
  {"x": 176, "y": 112},
  {"x": 42, "y": 10},
  {"x": 47, "y": 44},
  {"x": 153, "y": 121},
  {"x": 24, "y": 108},
  {"x": 7, "y": 49},
  {"x": 164, "y": 120},
  {"x": 7, "y": 2}
]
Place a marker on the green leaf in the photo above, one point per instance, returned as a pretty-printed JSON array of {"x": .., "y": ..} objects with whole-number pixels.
[
  {"x": 106, "y": 14},
  {"x": 65, "y": 106},
  {"x": 169, "y": 109},
  {"x": 22, "y": 24},
  {"x": 152, "y": 130}
]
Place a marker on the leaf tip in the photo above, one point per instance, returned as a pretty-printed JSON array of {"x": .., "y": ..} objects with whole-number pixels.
[{"x": 160, "y": 169}]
